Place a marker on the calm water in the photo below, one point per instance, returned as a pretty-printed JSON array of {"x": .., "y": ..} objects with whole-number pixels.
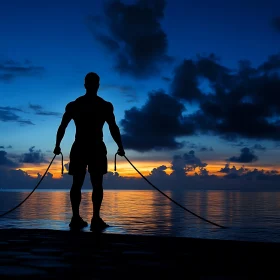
[{"x": 250, "y": 216}]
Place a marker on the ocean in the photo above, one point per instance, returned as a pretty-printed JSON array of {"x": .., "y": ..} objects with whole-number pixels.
[{"x": 248, "y": 216}]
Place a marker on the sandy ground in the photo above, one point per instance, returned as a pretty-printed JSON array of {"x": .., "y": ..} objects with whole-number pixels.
[{"x": 50, "y": 254}]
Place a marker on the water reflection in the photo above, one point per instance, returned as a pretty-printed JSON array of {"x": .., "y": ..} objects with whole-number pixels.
[{"x": 249, "y": 216}]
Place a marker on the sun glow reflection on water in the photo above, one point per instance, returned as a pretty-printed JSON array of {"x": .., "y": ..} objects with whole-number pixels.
[{"x": 248, "y": 216}]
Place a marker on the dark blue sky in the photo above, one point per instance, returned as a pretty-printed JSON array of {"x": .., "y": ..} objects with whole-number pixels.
[{"x": 146, "y": 53}]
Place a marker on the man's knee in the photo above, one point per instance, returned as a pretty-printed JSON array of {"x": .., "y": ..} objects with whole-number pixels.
[
  {"x": 78, "y": 180},
  {"x": 97, "y": 181}
]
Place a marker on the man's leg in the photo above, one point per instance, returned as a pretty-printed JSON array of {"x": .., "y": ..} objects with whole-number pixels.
[
  {"x": 75, "y": 193},
  {"x": 97, "y": 193}
]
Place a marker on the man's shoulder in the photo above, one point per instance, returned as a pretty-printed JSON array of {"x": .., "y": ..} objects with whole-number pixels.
[
  {"x": 72, "y": 104},
  {"x": 105, "y": 103}
]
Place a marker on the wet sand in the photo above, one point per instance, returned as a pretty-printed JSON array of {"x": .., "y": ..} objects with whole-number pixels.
[{"x": 53, "y": 254}]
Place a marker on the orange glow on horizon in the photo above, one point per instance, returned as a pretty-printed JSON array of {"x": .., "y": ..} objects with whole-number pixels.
[
  {"x": 33, "y": 170},
  {"x": 145, "y": 167}
]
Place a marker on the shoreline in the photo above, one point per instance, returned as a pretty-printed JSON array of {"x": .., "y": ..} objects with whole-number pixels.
[{"x": 54, "y": 254}]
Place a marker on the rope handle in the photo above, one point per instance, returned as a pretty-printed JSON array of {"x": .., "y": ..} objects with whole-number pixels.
[
  {"x": 116, "y": 161},
  {"x": 62, "y": 166}
]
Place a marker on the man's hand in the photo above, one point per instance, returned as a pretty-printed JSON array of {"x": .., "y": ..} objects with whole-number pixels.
[
  {"x": 121, "y": 152},
  {"x": 57, "y": 150}
]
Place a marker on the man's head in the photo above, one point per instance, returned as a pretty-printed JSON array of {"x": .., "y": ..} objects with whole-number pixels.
[{"x": 92, "y": 82}]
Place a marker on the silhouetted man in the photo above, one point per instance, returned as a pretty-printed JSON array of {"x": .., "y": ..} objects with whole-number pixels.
[{"x": 89, "y": 113}]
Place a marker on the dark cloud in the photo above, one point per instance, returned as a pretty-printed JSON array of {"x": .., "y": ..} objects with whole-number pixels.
[
  {"x": 203, "y": 172},
  {"x": 38, "y": 109},
  {"x": 133, "y": 34},
  {"x": 7, "y": 114},
  {"x": 258, "y": 147},
  {"x": 272, "y": 64},
  {"x": 276, "y": 23},
  {"x": 9, "y": 147},
  {"x": 158, "y": 172},
  {"x": 247, "y": 174},
  {"x": 156, "y": 125},
  {"x": 181, "y": 165},
  {"x": 179, "y": 179},
  {"x": 239, "y": 104},
  {"x": 8, "y": 108},
  {"x": 185, "y": 83},
  {"x": 33, "y": 156},
  {"x": 187, "y": 77},
  {"x": 2, "y": 147},
  {"x": 233, "y": 172},
  {"x": 246, "y": 155},
  {"x": 10, "y": 70},
  {"x": 192, "y": 162},
  {"x": 5, "y": 161}
]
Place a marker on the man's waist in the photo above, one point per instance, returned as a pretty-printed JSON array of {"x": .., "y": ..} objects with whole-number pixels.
[{"x": 89, "y": 140}]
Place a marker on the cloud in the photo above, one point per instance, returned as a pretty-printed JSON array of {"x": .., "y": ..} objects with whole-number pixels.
[
  {"x": 182, "y": 164},
  {"x": 233, "y": 172},
  {"x": 7, "y": 114},
  {"x": 2, "y": 147},
  {"x": 10, "y": 70},
  {"x": 192, "y": 162},
  {"x": 252, "y": 92},
  {"x": 158, "y": 172},
  {"x": 272, "y": 64},
  {"x": 5, "y": 161},
  {"x": 258, "y": 147},
  {"x": 185, "y": 83},
  {"x": 236, "y": 104},
  {"x": 154, "y": 127},
  {"x": 33, "y": 156},
  {"x": 38, "y": 109},
  {"x": 276, "y": 23},
  {"x": 189, "y": 74},
  {"x": 132, "y": 33},
  {"x": 179, "y": 179},
  {"x": 250, "y": 175},
  {"x": 246, "y": 156}
]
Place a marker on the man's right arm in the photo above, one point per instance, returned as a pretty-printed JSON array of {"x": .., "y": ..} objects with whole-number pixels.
[
  {"x": 61, "y": 131},
  {"x": 114, "y": 130}
]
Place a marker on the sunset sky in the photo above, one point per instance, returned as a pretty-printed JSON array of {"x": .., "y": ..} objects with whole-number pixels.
[{"x": 195, "y": 85}]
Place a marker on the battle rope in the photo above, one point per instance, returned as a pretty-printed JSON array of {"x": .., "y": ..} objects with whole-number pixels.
[
  {"x": 166, "y": 194},
  {"x": 36, "y": 185},
  {"x": 1, "y": 215}
]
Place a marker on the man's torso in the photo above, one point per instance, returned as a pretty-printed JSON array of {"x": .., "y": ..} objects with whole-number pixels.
[{"x": 89, "y": 115}]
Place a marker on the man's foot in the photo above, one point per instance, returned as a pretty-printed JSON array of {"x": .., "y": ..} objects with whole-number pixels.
[
  {"x": 98, "y": 224},
  {"x": 77, "y": 223}
]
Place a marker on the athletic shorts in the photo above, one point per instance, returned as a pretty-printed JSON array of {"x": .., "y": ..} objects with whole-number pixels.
[{"x": 93, "y": 159}]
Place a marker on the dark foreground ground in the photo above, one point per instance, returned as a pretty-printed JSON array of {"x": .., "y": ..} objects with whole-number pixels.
[{"x": 50, "y": 254}]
